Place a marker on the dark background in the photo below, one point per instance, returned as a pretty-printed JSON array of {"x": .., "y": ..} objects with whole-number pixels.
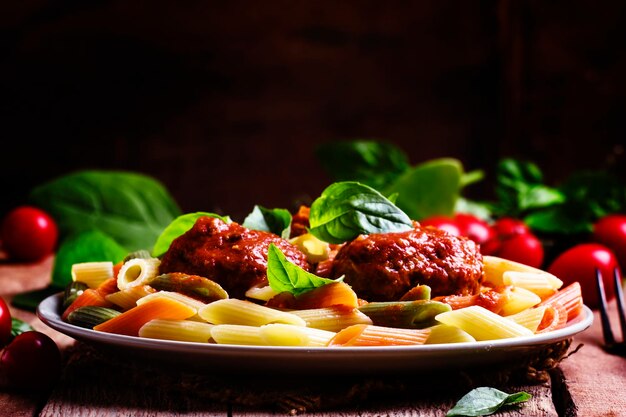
[{"x": 224, "y": 102}]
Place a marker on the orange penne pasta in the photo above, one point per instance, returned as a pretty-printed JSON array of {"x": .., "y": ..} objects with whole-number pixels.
[
  {"x": 108, "y": 286},
  {"x": 570, "y": 297},
  {"x": 554, "y": 317},
  {"x": 89, "y": 297},
  {"x": 371, "y": 335},
  {"x": 333, "y": 294},
  {"x": 130, "y": 321}
]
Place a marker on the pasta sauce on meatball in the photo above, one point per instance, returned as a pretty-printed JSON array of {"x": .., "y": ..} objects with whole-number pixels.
[
  {"x": 384, "y": 266},
  {"x": 231, "y": 255}
]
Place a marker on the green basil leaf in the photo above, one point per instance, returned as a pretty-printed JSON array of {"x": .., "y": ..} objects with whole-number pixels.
[
  {"x": 538, "y": 196},
  {"x": 277, "y": 221},
  {"x": 19, "y": 326},
  {"x": 482, "y": 210},
  {"x": 370, "y": 162},
  {"x": 430, "y": 188},
  {"x": 29, "y": 300},
  {"x": 90, "y": 246},
  {"x": 484, "y": 401},
  {"x": 283, "y": 275},
  {"x": 563, "y": 219},
  {"x": 131, "y": 208},
  {"x": 347, "y": 209},
  {"x": 178, "y": 227}
]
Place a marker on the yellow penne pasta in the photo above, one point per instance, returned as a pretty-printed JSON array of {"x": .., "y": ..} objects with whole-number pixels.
[
  {"x": 517, "y": 299},
  {"x": 183, "y": 330},
  {"x": 332, "y": 318},
  {"x": 137, "y": 271},
  {"x": 127, "y": 298},
  {"x": 235, "y": 311},
  {"x": 529, "y": 318},
  {"x": 482, "y": 324},
  {"x": 278, "y": 334},
  {"x": 261, "y": 293},
  {"x": 314, "y": 249},
  {"x": 495, "y": 267},
  {"x": 442, "y": 333},
  {"x": 542, "y": 284},
  {"x": 92, "y": 273},
  {"x": 236, "y": 334}
]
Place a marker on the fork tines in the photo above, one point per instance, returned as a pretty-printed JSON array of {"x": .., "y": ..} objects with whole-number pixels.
[{"x": 609, "y": 339}]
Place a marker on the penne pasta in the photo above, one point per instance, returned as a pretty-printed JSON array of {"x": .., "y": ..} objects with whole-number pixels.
[
  {"x": 264, "y": 293},
  {"x": 127, "y": 298},
  {"x": 107, "y": 287},
  {"x": 570, "y": 297},
  {"x": 279, "y": 334},
  {"x": 89, "y": 297},
  {"x": 543, "y": 284},
  {"x": 332, "y": 318},
  {"x": 529, "y": 318},
  {"x": 314, "y": 249},
  {"x": 336, "y": 293},
  {"x": 442, "y": 333},
  {"x": 482, "y": 324},
  {"x": 235, "y": 311},
  {"x": 183, "y": 330},
  {"x": 555, "y": 317},
  {"x": 372, "y": 335},
  {"x": 92, "y": 273},
  {"x": 404, "y": 314},
  {"x": 236, "y": 334},
  {"x": 137, "y": 271},
  {"x": 173, "y": 295},
  {"x": 130, "y": 321},
  {"x": 517, "y": 299},
  {"x": 495, "y": 267}
]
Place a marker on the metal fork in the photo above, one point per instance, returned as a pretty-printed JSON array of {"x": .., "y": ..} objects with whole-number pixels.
[{"x": 610, "y": 344}]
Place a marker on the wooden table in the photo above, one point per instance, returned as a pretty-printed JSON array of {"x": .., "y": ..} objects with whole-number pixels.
[{"x": 588, "y": 383}]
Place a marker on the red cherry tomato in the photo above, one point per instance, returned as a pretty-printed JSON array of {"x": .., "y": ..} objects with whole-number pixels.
[
  {"x": 506, "y": 227},
  {"x": 473, "y": 227},
  {"x": 5, "y": 323},
  {"x": 28, "y": 233},
  {"x": 579, "y": 263},
  {"x": 526, "y": 249},
  {"x": 610, "y": 231},
  {"x": 32, "y": 361},
  {"x": 442, "y": 222}
]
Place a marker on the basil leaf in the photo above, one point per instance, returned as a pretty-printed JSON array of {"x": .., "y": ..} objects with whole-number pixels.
[
  {"x": 90, "y": 246},
  {"x": 29, "y": 300},
  {"x": 283, "y": 275},
  {"x": 430, "y": 188},
  {"x": 179, "y": 226},
  {"x": 348, "y": 209},
  {"x": 484, "y": 401},
  {"x": 277, "y": 221},
  {"x": 131, "y": 208},
  {"x": 369, "y": 162},
  {"x": 18, "y": 326}
]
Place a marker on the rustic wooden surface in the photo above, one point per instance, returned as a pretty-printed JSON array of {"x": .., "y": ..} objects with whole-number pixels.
[{"x": 594, "y": 380}]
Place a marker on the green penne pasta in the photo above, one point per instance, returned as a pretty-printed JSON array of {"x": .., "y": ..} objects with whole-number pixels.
[
  {"x": 482, "y": 324},
  {"x": 416, "y": 314},
  {"x": 235, "y": 311}
]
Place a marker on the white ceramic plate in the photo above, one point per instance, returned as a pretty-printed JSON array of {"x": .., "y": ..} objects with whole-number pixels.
[{"x": 303, "y": 360}]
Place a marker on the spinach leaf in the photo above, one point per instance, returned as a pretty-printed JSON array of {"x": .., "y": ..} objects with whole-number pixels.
[
  {"x": 283, "y": 275},
  {"x": 484, "y": 401},
  {"x": 347, "y": 209},
  {"x": 89, "y": 246},
  {"x": 370, "y": 162},
  {"x": 131, "y": 208},
  {"x": 277, "y": 221},
  {"x": 430, "y": 188},
  {"x": 179, "y": 226}
]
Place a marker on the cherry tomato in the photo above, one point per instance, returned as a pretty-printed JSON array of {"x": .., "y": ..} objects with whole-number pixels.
[
  {"x": 579, "y": 263},
  {"x": 28, "y": 233},
  {"x": 31, "y": 361},
  {"x": 524, "y": 248},
  {"x": 473, "y": 227},
  {"x": 442, "y": 222},
  {"x": 5, "y": 323},
  {"x": 506, "y": 227},
  {"x": 610, "y": 231}
]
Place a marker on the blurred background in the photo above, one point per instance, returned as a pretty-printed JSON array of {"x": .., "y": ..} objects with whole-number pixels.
[{"x": 225, "y": 102}]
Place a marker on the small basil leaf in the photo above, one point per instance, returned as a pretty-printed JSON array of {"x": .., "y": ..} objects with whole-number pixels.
[
  {"x": 430, "y": 188},
  {"x": 178, "y": 227},
  {"x": 374, "y": 163},
  {"x": 347, "y": 209},
  {"x": 484, "y": 401},
  {"x": 277, "y": 221},
  {"x": 90, "y": 246},
  {"x": 283, "y": 275},
  {"x": 538, "y": 196},
  {"x": 18, "y": 326}
]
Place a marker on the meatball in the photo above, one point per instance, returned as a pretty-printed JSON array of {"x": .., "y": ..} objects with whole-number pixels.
[
  {"x": 231, "y": 255},
  {"x": 384, "y": 266}
]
